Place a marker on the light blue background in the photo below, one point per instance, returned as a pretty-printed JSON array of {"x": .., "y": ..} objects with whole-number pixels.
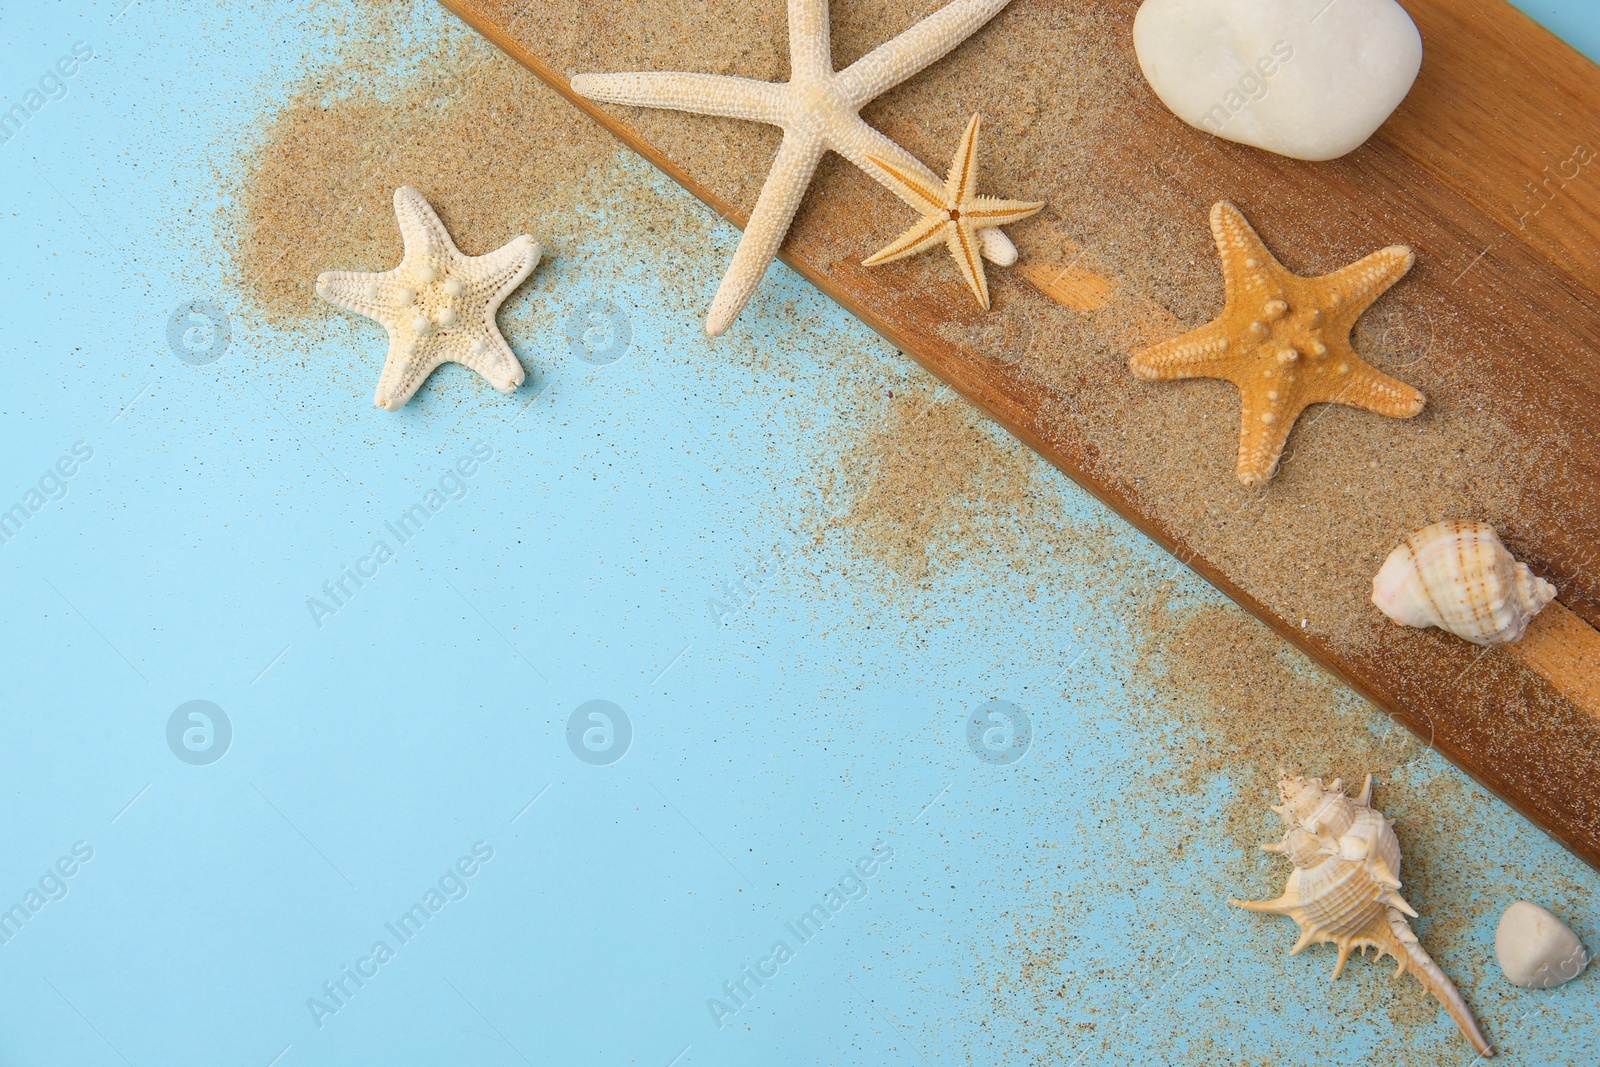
[
  {"x": 1575, "y": 21},
  {"x": 772, "y": 747}
]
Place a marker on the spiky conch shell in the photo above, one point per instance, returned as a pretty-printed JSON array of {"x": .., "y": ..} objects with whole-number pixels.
[
  {"x": 1345, "y": 886},
  {"x": 1456, "y": 575}
]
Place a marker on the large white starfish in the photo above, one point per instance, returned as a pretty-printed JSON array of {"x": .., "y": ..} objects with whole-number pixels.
[
  {"x": 818, "y": 110},
  {"x": 438, "y": 304}
]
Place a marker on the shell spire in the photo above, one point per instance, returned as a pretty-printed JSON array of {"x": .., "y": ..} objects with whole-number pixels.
[{"x": 1345, "y": 886}]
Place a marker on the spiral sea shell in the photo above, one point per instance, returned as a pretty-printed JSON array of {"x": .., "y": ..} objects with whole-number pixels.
[
  {"x": 1345, "y": 886},
  {"x": 1458, "y": 576}
]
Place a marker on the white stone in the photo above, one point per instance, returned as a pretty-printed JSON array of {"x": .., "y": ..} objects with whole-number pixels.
[
  {"x": 1312, "y": 79},
  {"x": 1536, "y": 949}
]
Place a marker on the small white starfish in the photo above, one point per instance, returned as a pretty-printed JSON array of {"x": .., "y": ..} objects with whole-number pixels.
[
  {"x": 438, "y": 305},
  {"x": 951, "y": 214},
  {"x": 817, "y": 110}
]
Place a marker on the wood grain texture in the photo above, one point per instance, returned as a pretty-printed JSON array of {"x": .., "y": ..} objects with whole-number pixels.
[
  {"x": 1499, "y": 324},
  {"x": 1566, "y": 650}
]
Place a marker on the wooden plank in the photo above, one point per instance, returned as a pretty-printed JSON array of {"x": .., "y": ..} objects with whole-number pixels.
[{"x": 1480, "y": 171}]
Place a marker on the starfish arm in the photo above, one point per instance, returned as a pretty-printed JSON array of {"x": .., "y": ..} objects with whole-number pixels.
[
  {"x": 961, "y": 184},
  {"x": 424, "y": 235},
  {"x": 917, "y": 48},
  {"x": 963, "y": 244},
  {"x": 986, "y": 211},
  {"x": 909, "y": 186},
  {"x": 1262, "y": 435},
  {"x": 1199, "y": 353},
  {"x": 702, "y": 94},
  {"x": 499, "y": 273},
  {"x": 404, "y": 371},
  {"x": 780, "y": 198},
  {"x": 1237, "y": 244},
  {"x": 1373, "y": 390},
  {"x": 489, "y": 355},
  {"x": 1362, "y": 282},
  {"x": 810, "y": 40},
  {"x": 371, "y": 295},
  {"x": 921, "y": 237}
]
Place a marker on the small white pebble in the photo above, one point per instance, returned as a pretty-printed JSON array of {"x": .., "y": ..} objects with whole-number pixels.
[{"x": 1536, "y": 949}]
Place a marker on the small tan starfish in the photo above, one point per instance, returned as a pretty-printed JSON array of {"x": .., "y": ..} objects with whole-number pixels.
[
  {"x": 438, "y": 305},
  {"x": 951, "y": 216},
  {"x": 1284, "y": 341}
]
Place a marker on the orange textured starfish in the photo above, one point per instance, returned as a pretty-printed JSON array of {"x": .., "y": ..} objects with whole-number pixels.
[{"x": 1284, "y": 341}]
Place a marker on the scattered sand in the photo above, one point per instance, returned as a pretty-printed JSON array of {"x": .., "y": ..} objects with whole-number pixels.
[
  {"x": 1131, "y": 216},
  {"x": 928, "y": 486},
  {"x": 928, "y": 491},
  {"x": 925, "y": 490},
  {"x": 1239, "y": 703},
  {"x": 494, "y": 151}
]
